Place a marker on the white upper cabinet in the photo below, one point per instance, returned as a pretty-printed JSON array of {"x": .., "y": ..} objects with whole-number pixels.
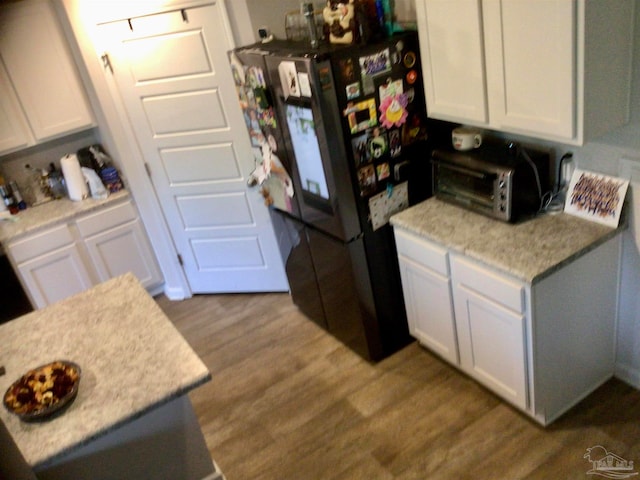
[
  {"x": 452, "y": 48},
  {"x": 40, "y": 78},
  {"x": 14, "y": 129},
  {"x": 558, "y": 70}
]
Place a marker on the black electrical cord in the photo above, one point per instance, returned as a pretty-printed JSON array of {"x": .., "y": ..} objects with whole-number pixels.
[{"x": 566, "y": 156}]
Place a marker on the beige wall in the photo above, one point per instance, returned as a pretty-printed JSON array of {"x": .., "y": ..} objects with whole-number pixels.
[{"x": 272, "y": 12}]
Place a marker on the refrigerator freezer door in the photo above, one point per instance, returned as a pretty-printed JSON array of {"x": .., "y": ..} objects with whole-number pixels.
[
  {"x": 342, "y": 299},
  {"x": 296, "y": 256}
]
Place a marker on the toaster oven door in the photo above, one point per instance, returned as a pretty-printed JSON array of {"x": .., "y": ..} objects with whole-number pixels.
[{"x": 469, "y": 188}]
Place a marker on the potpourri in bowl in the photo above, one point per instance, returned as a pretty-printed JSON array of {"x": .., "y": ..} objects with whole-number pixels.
[{"x": 43, "y": 391}]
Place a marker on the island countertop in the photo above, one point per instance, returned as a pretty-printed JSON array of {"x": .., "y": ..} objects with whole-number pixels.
[
  {"x": 132, "y": 358},
  {"x": 529, "y": 250}
]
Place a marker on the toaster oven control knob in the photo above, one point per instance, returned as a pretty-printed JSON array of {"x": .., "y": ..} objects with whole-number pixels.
[
  {"x": 501, "y": 184},
  {"x": 502, "y": 207}
]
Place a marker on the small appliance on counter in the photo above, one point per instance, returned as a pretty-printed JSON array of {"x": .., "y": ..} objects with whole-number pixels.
[{"x": 507, "y": 182}]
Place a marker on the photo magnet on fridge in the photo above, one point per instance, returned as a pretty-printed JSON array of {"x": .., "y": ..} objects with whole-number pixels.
[
  {"x": 395, "y": 145},
  {"x": 347, "y": 71},
  {"x": 371, "y": 66},
  {"x": 289, "y": 79},
  {"x": 361, "y": 115},
  {"x": 360, "y": 150},
  {"x": 378, "y": 145},
  {"x": 383, "y": 171},
  {"x": 353, "y": 90},
  {"x": 367, "y": 180}
]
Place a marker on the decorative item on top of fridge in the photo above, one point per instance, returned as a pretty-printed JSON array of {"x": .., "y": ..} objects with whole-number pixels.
[
  {"x": 340, "y": 22},
  {"x": 349, "y": 21},
  {"x": 297, "y": 24}
]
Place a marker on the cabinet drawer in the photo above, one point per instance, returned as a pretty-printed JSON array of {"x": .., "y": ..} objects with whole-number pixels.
[
  {"x": 488, "y": 283},
  {"x": 422, "y": 252},
  {"x": 41, "y": 243},
  {"x": 106, "y": 219}
]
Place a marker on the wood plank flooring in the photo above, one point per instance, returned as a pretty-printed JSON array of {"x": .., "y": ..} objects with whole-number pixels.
[{"x": 288, "y": 401}]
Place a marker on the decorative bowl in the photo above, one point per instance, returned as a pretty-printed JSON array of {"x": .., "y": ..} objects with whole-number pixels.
[{"x": 43, "y": 391}]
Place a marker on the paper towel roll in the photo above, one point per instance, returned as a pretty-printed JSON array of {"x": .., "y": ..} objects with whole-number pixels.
[{"x": 73, "y": 177}]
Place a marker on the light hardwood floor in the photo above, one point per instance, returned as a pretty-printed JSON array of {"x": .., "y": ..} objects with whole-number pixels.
[{"x": 287, "y": 401}]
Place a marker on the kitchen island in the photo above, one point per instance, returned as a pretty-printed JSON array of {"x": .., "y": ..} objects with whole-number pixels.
[
  {"x": 527, "y": 309},
  {"x": 132, "y": 417}
]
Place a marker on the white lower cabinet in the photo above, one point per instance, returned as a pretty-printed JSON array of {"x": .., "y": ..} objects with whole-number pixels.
[
  {"x": 542, "y": 347},
  {"x": 50, "y": 265},
  {"x": 117, "y": 244},
  {"x": 426, "y": 284},
  {"x": 491, "y": 327},
  {"x": 71, "y": 257}
]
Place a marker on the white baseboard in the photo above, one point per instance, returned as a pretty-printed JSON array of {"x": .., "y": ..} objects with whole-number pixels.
[
  {"x": 175, "y": 293},
  {"x": 628, "y": 375}
]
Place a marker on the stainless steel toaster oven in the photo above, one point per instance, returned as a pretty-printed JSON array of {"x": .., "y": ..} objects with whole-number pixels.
[{"x": 504, "y": 181}]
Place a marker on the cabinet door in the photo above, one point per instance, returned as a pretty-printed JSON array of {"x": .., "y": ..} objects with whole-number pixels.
[
  {"x": 124, "y": 249},
  {"x": 55, "y": 276},
  {"x": 14, "y": 130},
  {"x": 492, "y": 345},
  {"x": 41, "y": 68},
  {"x": 451, "y": 45},
  {"x": 427, "y": 296},
  {"x": 531, "y": 65},
  {"x": 491, "y": 328}
]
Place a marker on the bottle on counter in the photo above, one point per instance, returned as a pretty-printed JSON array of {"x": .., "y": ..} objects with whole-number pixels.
[
  {"x": 17, "y": 197},
  {"x": 56, "y": 182},
  {"x": 7, "y": 198}
]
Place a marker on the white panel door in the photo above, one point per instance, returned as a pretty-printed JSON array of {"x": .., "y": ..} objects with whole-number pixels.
[
  {"x": 172, "y": 73},
  {"x": 452, "y": 48},
  {"x": 530, "y": 55}
]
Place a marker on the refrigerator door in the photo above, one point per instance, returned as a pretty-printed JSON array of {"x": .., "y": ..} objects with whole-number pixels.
[
  {"x": 383, "y": 119},
  {"x": 346, "y": 298},
  {"x": 272, "y": 172},
  {"x": 306, "y": 102},
  {"x": 298, "y": 262}
]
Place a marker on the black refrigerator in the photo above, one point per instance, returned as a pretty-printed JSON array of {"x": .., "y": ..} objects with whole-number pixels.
[{"x": 340, "y": 144}]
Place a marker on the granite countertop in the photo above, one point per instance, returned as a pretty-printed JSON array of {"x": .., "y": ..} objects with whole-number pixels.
[
  {"x": 529, "y": 250},
  {"x": 47, "y": 214},
  {"x": 132, "y": 358}
]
